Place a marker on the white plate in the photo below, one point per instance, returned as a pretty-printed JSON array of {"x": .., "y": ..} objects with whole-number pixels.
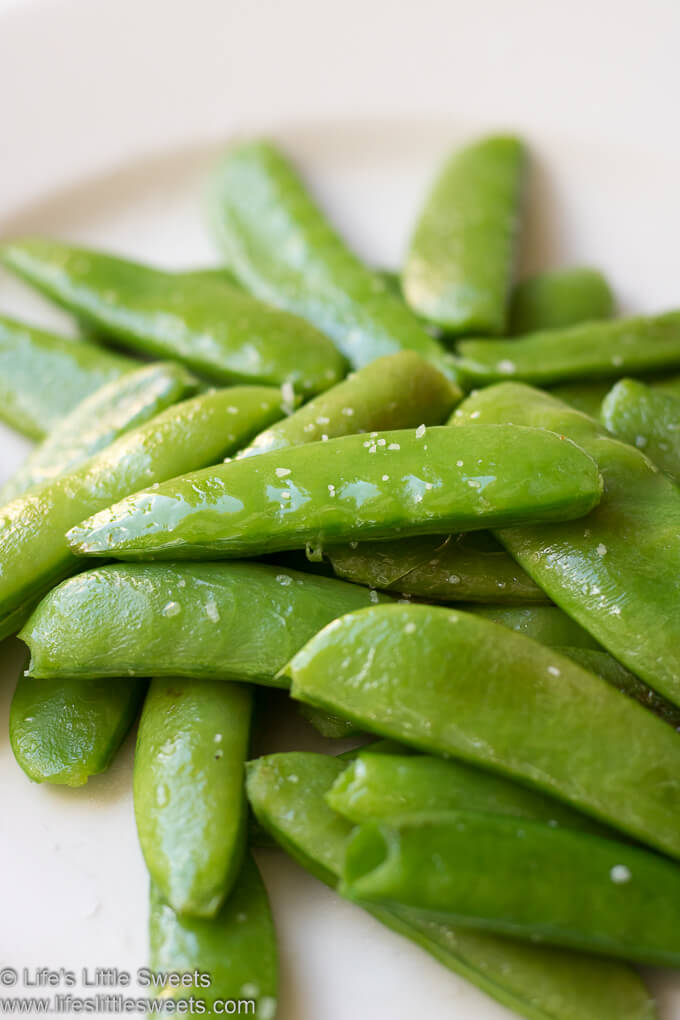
[{"x": 74, "y": 886}]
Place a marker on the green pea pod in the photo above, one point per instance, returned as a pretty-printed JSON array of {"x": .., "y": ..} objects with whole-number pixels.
[
  {"x": 333, "y": 727},
  {"x": 188, "y": 789},
  {"x": 395, "y": 392},
  {"x": 524, "y": 879},
  {"x": 232, "y": 956},
  {"x": 647, "y": 418},
  {"x": 287, "y": 793},
  {"x": 584, "y": 396},
  {"x": 618, "y": 573},
  {"x": 562, "y": 297},
  {"x": 452, "y": 683},
  {"x": 214, "y": 328},
  {"x": 587, "y": 351},
  {"x": 43, "y": 376},
  {"x": 98, "y": 420},
  {"x": 401, "y": 482},
  {"x": 546, "y": 624},
  {"x": 196, "y": 432},
  {"x": 279, "y": 244},
  {"x": 221, "y": 621},
  {"x": 461, "y": 258}
]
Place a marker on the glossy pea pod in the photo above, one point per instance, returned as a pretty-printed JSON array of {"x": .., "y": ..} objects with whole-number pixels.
[
  {"x": 460, "y": 262},
  {"x": 559, "y": 298},
  {"x": 588, "y": 396},
  {"x": 287, "y": 793},
  {"x": 452, "y": 683},
  {"x": 280, "y": 246},
  {"x": 212, "y": 327},
  {"x": 647, "y": 418}
]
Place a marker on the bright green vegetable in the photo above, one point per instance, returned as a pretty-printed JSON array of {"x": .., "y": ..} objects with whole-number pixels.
[
  {"x": 213, "y": 328},
  {"x": 559, "y": 298},
  {"x": 546, "y": 624},
  {"x": 287, "y": 792},
  {"x": 583, "y": 396},
  {"x": 647, "y": 418},
  {"x": 452, "y": 683},
  {"x": 460, "y": 263}
]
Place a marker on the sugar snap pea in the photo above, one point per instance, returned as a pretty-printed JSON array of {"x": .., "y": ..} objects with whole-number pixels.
[
  {"x": 559, "y": 298},
  {"x": 546, "y": 624},
  {"x": 43, "y": 376},
  {"x": 223, "y": 621},
  {"x": 403, "y": 481},
  {"x": 647, "y": 418},
  {"x": 214, "y": 328},
  {"x": 233, "y": 955},
  {"x": 460, "y": 262},
  {"x": 287, "y": 792},
  {"x": 453, "y": 683},
  {"x": 583, "y": 396},
  {"x": 280, "y": 246}
]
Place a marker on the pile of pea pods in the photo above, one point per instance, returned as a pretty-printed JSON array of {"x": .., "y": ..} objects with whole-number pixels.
[{"x": 440, "y": 508}]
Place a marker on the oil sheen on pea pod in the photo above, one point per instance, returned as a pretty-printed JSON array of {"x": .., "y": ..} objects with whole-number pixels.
[
  {"x": 452, "y": 683},
  {"x": 98, "y": 420},
  {"x": 459, "y": 267},
  {"x": 212, "y": 621},
  {"x": 559, "y": 298},
  {"x": 232, "y": 955},
  {"x": 196, "y": 432},
  {"x": 188, "y": 789},
  {"x": 395, "y": 392},
  {"x": 647, "y": 418},
  {"x": 281, "y": 247},
  {"x": 287, "y": 794},
  {"x": 214, "y": 328},
  {"x": 406, "y": 482},
  {"x": 587, "y": 351},
  {"x": 618, "y": 572},
  {"x": 43, "y": 376},
  {"x": 524, "y": 879}
]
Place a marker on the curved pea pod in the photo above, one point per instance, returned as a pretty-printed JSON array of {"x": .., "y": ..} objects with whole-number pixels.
[
  {"x": 212, "y": 327},
  {"x": 460, "y": 262},
  {"x": 188, "y": 789},
  {"x": 583, "y": 396},
  {"x": 401, "y": 482},
  {"x": 618, "y": 573},
  {"x": 43, "y": 376},
  {"x": 33, "y": 549},
  {"x": 562, "y": 297},
  {"x": 394, "y": 392},
  {"x": 524, "y": 879},
  {"x": 647, "y": 418},
  {"x": 287, "y": 794},
  {"x": 587, "y": 351},
  {"x": 445, "y": 568},
  {"x": 212, "y": 621},
  {"x": 232, "y": 956},
  {"x": 100, "y": 419},
  {"x": 333, "y": 727},
  {"x": 452, "y": 683},
  {"x": 546, "y": 624},
  {"x": 280, "y": 246}
]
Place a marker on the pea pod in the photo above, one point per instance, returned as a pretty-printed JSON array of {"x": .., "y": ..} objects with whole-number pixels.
[
  {"x": 98, "y": 420},
  {"x": 287, "y": 792},
  {"x": 461, "y": 258},
  {"x": 43, "y": 376},
  {"x": 546, "y": 624},
  {"x": 562, "y": 297},
  {"x": 232, "y": 956},
  {"x": 647, "y": 418},
  {"x": 402, "y": 482},
  {"x": 205, "y": 621},
  {"x": 618, "y": 573},
  {"x": 452, "y": 683},
  {"x": 33, "y": 549},
  {"x": 205, "y": 323},
  {"x": 280, "y": 246},
  {"x": 584, "y": 396}
]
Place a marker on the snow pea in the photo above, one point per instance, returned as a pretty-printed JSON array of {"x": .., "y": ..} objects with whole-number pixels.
[
  {"x": 222, "y": 621},
  {"x": 236, "y": 950},
  {"x": 522, "y": 878},
  {"x": 546, "y": 624},
  {"x": 403, "y": 482},
  {"x": 588, "y": 351},
  {"x": 43, "y": 375},
  {"x": 452, "y": 683},
  {"x": 278, "y": 243},
  {"x": 460, "y": 262},
  {"x": 584, "y": 396},
  {"x": 647, "y": 418},
  {"x": 618, "y": 572},
  {"x": 287, "y": 793},
  {"x": 212, "y": 327},
  {"x": 188, "y": 789},
  {"x": 559, "y": 298},
  {"x": 33, "y": 549},
  {"x": 98, "y": 420},
  {"x": 394, "y": 392}
]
